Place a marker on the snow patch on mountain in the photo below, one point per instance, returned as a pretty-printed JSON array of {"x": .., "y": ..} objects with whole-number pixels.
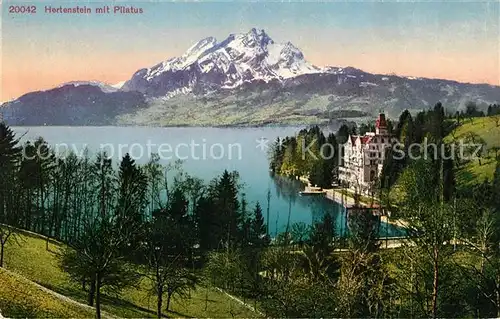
[
  {"x": 238, "y": 59},
  {"x": 366, "y": 84},
  {"x": 106, "y": 88},
  {"x": 118, "y": 85}
]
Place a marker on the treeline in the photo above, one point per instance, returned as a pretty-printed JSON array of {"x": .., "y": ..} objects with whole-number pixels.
[
  {"x": 430, "y": 126},
  {"x": 493, "y": 109},
  {"x": 178, "y": 232},
  {"x": 313, "y": 154},
  {"x": 123, "y": 222},
  {"x": 448, "y": 266},
  {"x": 310, "y": 153},
  {"x": 471, "y": 110},
  {"x": 454, "y": 230}
]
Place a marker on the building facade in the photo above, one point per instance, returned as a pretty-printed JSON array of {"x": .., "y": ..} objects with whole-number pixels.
[{"x": 363, "y": 157}]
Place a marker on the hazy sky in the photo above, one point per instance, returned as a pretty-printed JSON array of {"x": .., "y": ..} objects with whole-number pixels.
[{"x": 452, "y": 40}]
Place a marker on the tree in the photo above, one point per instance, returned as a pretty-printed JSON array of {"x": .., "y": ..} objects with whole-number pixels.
[
  {"x": 166, "y": 262},
  {"x": 429, "y": 224},
  {"x": 154, "y": 175},
  {"x": 132, "y": 201},
  {"x": 366, "y": 127},
  {"x": 322, "y": 236},
  {"x": 105, "y": 183},
  {"x": 276, "y": 152},
  {"x": 471, "y": 111},
  {"x": 6, "y": 233},
  {"x": 258, "y": 234},
  {"x": 96, "y": 257},
  {"x": 404, "y": 129},
  {"x": 42, "y": 163},
  {"x": 343, "y": 134},
  {"x": 299, "y": 232},
  {"x": 225, "y": 269},
  {"x": 486, "y": 274},
  {"x": 363, "y": 227},
  {"x": 364, "y": 287},
  {"x": 228, "y": 207},
  {"x": 9, "y": 162},
  {"x": 496, "y": 189}
]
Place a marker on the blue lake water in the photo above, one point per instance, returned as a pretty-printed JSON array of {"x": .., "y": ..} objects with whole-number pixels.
[{"x": 206, "y": 152}]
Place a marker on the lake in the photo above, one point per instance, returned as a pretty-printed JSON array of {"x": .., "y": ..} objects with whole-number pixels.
[{"x": 206, "y": 153}]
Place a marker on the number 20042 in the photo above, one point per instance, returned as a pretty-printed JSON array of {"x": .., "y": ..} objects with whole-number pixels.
[{"x": 22, "y": 9}]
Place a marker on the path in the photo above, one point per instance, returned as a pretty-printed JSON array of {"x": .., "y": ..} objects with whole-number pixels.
[
  {"x": 58, "y": 295},
  {"x": 240, "y": 301}
]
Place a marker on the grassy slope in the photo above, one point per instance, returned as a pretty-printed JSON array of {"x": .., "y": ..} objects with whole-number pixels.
[
  {"x": 473, "y": 172},
  {"x": 29, "y": 258},
  {"x": 20, "y": 297},
  {"x": 470, "y": 173}
]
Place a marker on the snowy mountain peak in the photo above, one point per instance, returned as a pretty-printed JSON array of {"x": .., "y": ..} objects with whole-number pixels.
[
  {"x": 200, "y": 47},
  {"x": 240, "y": 58},
  {"x": 258, "y": 37}
]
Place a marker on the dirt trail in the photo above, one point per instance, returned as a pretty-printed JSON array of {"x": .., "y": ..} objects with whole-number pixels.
[
  {"x": 57, "y": 295},
  {"x": 240, "y": 301}
]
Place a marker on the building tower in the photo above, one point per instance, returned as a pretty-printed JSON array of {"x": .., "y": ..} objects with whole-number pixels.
[{"x": 381, "y": 125}]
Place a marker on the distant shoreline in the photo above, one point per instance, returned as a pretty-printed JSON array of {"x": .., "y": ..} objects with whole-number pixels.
[{"x": 276, "y": 125}]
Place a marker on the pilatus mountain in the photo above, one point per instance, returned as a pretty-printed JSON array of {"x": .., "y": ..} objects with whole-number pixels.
[{"x": 245, "y": 79}]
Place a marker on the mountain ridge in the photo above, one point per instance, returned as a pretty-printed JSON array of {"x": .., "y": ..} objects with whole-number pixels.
[{"x": 245, "y": 78}]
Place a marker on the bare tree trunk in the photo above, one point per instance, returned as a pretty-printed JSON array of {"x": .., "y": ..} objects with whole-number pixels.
[
  {"x": 435, "y": 284},
  {"x": 160, "y": 301},
  {"x": 90, "y": 300},
  {"x": 4, "y": 236},
  {"x": 168, "y": 300},
  {"x": 1, "y": 253},
  {"x": 497, "y": 293},
  {"x": 98, "y": 297}
]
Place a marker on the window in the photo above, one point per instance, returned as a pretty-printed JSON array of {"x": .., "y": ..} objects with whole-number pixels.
[{"x": 383, "y": 140}]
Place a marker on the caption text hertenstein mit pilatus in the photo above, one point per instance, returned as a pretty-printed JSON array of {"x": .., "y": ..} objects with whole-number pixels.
[{"x": 33, "y": 9}]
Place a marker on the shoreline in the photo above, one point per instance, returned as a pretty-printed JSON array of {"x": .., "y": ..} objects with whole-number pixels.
[
  {"x": 336, "y": 196},
  {"x": 348, "y": 201}
]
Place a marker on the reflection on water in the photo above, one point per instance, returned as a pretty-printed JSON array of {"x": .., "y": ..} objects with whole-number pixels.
[
  {"x": 285, "y": 206},
  {"x": 287, "y": 190}
]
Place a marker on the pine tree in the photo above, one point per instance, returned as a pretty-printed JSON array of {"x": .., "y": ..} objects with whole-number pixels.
[
  {"x": 132, "y": 200},
  {"x": 322, "y": 236},
  {"x": 343, "y": 134},
  {"x": 363, "y": 228},
  {"x": 9, "y": 160},
  {"x": 105, "y": 183},
  {"x": 258, "y": 236},
  {"x": 228, "y": 208},
  {"x": 208, "y": 224}
]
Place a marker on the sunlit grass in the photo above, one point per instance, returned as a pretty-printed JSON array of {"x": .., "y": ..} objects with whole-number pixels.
[
  {"x": 477, "y": 170},
  {"x": 28, "y": 257},
  {"x": 20, "y": 297}
]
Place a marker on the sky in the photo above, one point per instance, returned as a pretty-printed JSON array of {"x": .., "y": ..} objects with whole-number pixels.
[{"x": 449, "y": 40}]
